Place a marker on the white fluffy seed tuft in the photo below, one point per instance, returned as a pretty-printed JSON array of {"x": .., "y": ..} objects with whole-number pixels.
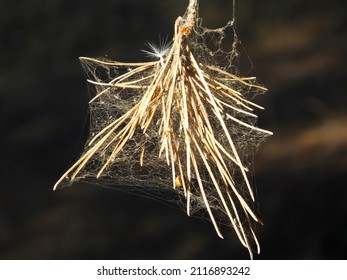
[{"x": 158, "y": 51}]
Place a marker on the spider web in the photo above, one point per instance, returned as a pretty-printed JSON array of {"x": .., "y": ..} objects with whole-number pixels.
[{"x": 140, "y": 163}]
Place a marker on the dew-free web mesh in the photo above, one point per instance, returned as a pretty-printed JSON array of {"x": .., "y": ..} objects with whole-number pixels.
[{"x": 180, "y": 127}]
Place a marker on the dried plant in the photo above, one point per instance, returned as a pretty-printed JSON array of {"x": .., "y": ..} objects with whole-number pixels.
[{"x": 185, "y": 109}]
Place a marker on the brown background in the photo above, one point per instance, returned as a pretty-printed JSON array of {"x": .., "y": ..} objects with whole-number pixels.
[{"x": 298, "y": 49}]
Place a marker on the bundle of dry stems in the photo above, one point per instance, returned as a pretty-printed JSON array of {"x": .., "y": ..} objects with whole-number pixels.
[{"x": 194, "y": 91}]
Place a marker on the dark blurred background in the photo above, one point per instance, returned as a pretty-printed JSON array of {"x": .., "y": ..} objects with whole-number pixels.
[{"x": 298, "y": 50}]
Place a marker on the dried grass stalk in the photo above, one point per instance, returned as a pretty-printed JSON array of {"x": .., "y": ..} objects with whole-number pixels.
[{"x": 201, "y": 95}]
